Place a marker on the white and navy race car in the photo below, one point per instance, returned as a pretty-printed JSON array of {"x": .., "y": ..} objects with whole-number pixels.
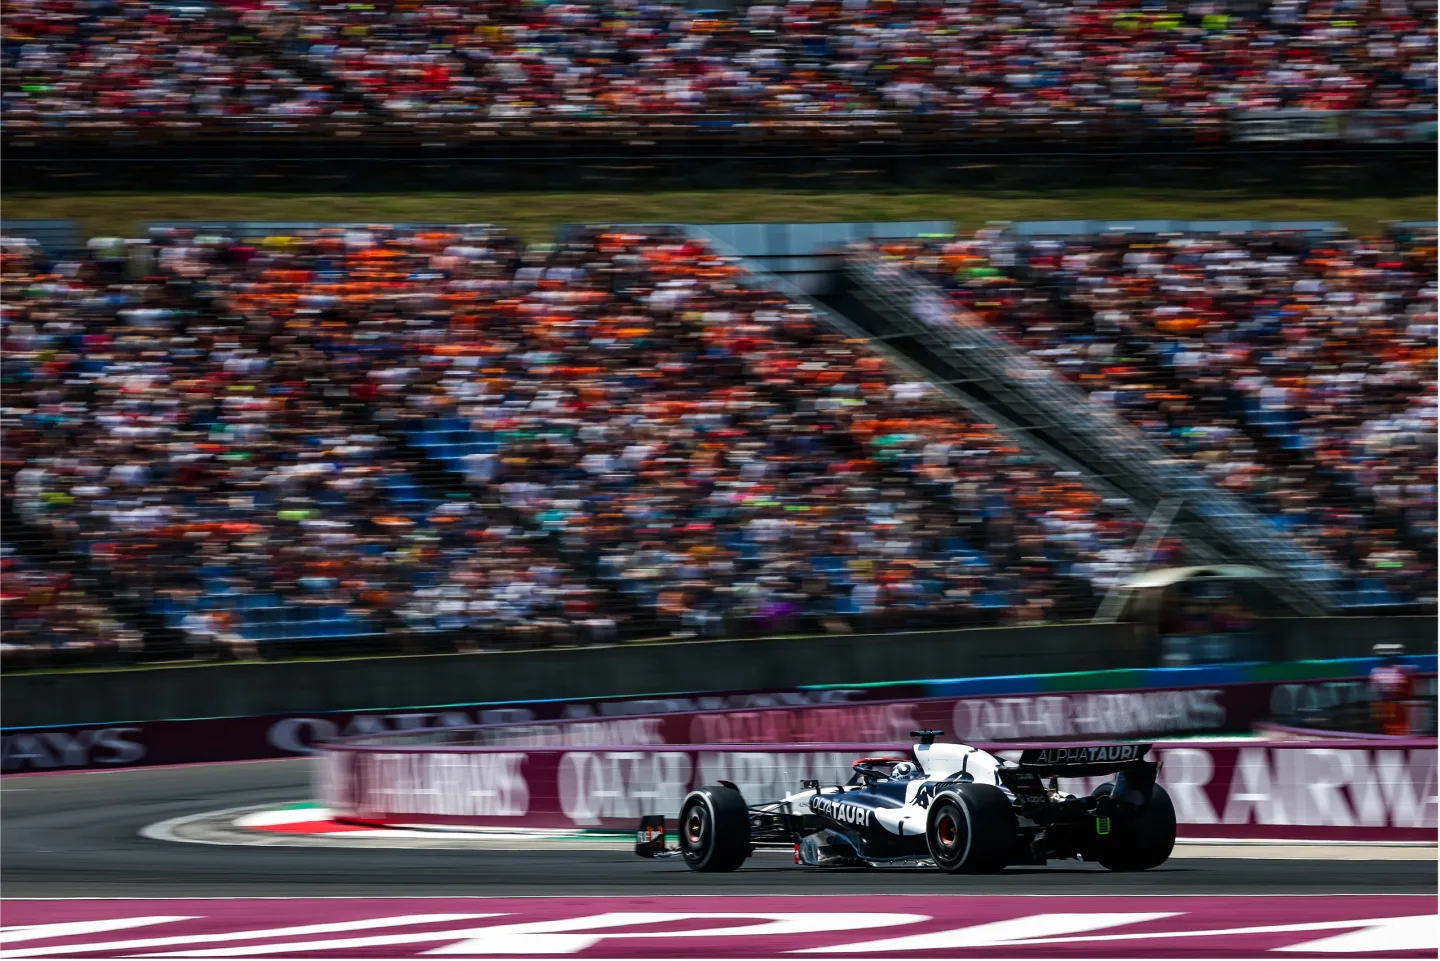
[{"x": 951, "y": 806}]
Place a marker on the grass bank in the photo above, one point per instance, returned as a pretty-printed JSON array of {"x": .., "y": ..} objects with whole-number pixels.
[{"x": 535, "y": 214}]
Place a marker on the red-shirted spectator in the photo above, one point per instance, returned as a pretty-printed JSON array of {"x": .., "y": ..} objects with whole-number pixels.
[{"x": 1392, "y": 691}]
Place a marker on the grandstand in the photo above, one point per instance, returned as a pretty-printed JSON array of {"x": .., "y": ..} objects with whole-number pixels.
[
  {"x": 487, "y": 95},
  {"x": 354, "y": 438},
  {"x": 302, "y": 60},
  {"x": 239, "y": 440},
  {"x": 351, "y": 433},
  {"x": 1294, "y": 369}
]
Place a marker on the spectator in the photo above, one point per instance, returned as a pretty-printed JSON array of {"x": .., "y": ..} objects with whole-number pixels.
[
  {"x": 1299, "y": 372},
  {"x": 137, "y": 63},
  {"x": 658, "y": 449},
  {"x": 133, "y": 64},
  {"x": 50, "y": 620}
]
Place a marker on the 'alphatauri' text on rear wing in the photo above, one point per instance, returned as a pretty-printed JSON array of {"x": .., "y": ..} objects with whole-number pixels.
[{"x": 1083, "y": 761}]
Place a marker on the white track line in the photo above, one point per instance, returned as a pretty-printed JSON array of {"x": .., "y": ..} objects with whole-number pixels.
[
  {"x": 1186, "y": 848},
  {"x": 165, "y": 830}
]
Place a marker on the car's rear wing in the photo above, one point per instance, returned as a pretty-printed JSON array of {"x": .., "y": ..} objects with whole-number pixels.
[{"x": 1068, "y": 761}]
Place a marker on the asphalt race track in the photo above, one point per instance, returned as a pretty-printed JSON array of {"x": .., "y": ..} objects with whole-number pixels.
[{"x": 78, "y": 835}]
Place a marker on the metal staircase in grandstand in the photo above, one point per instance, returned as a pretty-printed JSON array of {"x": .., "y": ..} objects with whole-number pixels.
[
  {"x": 853, "y": 319},
  {"x": 915, "y": 318}
]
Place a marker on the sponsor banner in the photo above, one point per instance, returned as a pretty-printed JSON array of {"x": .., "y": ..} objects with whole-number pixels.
[
  {"x": 1292, "y": 790},
  {"x": 836, "y": 925},
  {"x": 1326, "y": 791},
  {"x": 1057, "y": 716},
  {"x": 1361, "y": 126},
  {"x": 200, "y": 740},
  {"x": 1386, "y": 126},
  {"x": 880, "y": 713},
  {"x": 1254, "y": 126},
  {"x": 1054, "y": 716}
]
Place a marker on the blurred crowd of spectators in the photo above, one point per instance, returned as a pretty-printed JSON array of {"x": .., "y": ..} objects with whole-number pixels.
[
  {"x": 726, "y": 458},
  {"x": 117, "y": 62},
  {"x": 358, "y": 432},
  {"x": 1299, "y": 370},
  {"x": 201, "y": 451},
  {"x": 492, "y": 59},
  {"x": 48, "y": 619}
]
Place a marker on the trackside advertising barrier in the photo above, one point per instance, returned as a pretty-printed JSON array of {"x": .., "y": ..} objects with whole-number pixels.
[
  {"x": 1316, "y": 790},
  {"x": 1210, "y": 701}
]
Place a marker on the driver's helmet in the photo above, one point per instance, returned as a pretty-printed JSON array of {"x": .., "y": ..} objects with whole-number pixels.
[
  {"x": 905, "y": 769},
  {"x": 872, "y": 767}
]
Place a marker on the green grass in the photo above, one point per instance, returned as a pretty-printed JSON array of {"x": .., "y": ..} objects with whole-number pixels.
[{"x": 535, "y": 215}]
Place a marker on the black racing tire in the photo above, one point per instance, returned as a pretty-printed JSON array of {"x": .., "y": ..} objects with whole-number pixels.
[
  {"x": 714, "y": 829},
  {"x": 971, "y": 829},
  {"x": 1141, "y": 842}
]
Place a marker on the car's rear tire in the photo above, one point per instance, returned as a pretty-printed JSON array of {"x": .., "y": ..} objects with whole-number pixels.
[
  {"x": 970, "y": 829},
  {"x": 714, "y": 829},
  {"x": 1142, "y": 841}
]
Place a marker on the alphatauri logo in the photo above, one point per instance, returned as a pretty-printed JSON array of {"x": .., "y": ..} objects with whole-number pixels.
[
  {"x": 841, "y": 811},
  {"x": 1085, "y": 755}
]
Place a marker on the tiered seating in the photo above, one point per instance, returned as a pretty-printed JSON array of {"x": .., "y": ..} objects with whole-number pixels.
[
  {"x": 727, "y": 460},
  {"x": 251, "y": 440},
  {"x": 134, "y": 64},
  {"x": 52, "y": 620},
  {"x": 1299, "y": 371},
  {"x": 492, "y": 60},
  {"x": 206, "y": 460}
]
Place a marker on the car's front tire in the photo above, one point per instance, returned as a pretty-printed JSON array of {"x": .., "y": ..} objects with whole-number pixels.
[
  {"x": 970, "y": 829},
  {"x": 1142, "y": 841},
  {"x": 714, "y": 829}
]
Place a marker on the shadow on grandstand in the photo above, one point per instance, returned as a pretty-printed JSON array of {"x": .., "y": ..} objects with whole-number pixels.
[{"x": 706, "y": 157}]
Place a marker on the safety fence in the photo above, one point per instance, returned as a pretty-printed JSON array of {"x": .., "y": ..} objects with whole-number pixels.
[
  {"x": 1321, "y": 790},
  {"x": 1013, "y": 153},
  {"x": 1293, "y": 125}
]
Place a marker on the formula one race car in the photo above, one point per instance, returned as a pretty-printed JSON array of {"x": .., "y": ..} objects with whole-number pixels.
[{"x": 950, "y": 806}]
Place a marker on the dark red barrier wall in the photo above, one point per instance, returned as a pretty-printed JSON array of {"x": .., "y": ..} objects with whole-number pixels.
[{"x": 1240, "y": 789}]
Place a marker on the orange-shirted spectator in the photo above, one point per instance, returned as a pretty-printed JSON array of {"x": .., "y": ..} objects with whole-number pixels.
[{"x": 657, "y": 447}]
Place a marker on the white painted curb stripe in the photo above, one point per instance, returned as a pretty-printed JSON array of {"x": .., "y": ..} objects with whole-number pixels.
[{"x": 260, "y": 819}]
